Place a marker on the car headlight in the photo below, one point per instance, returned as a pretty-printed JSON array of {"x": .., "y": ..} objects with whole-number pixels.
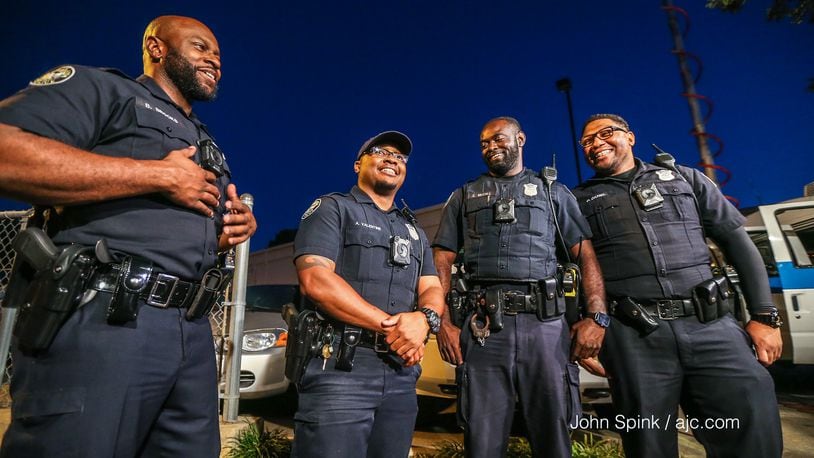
[{"x": 264, "y": 339}]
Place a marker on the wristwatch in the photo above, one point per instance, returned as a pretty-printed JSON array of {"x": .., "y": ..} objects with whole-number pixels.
[
  {"x": 432, "y": 319},
  {"x": 600, "y": 318},
  {"x": 769, "y": 319}
]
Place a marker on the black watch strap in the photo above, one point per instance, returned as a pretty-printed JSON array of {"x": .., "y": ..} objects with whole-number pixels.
[{"x": 769, "y": 319}]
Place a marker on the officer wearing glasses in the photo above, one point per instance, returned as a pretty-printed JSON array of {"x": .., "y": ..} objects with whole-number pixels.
[
  {"x": 504, "y": 222},
  {"x": 673, "y": 340},
  {"x": 367, "y": 268}
]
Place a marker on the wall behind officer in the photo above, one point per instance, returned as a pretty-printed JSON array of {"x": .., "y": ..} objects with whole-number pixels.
[
  {"x": 529, "y": 358},
  {"x": 119, "y": 156},
  {"x": 344, "y": 263},
  {"x": 651, "y": 253}
]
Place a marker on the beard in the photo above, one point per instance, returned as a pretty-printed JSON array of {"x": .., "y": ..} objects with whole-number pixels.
[
  {"x": 384, "y": 188},
  {"x": 501, "y": 167},
  {"x": 184, "y": 76}
]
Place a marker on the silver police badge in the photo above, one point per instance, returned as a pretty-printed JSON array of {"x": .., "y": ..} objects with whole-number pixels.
[
  {"x": 311, "y": 209},
  {"x": 413, "y": 232},
  {"x": 530, "y": 189},
  {"x": 665, "y": 175},
  {"x": 55, "y": 76}
]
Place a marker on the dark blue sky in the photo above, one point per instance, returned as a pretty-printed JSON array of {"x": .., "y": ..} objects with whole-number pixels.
[{"x": 305, "y": 83}]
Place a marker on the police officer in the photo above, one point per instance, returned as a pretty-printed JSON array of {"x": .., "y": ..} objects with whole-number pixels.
[
  {"x": 649, "y": 223},
  {"x": 123, "y": 160},
  {"x": 504, "y": 222},
  {"x": 368, "y": 268}
]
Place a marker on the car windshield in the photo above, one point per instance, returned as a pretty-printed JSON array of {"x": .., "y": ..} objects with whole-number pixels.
[{"x": 270, "y": 298}]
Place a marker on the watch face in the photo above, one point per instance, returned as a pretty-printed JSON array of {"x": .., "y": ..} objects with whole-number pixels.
[{"x": 601, "y": 319}]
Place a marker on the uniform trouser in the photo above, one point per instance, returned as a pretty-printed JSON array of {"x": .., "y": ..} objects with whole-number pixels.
[
  {"x": 369, "y": 411},
  {"x": 527, "y": 360},
  {"x": 708, "y": 369},
  {"x": 147, "y": 388}
]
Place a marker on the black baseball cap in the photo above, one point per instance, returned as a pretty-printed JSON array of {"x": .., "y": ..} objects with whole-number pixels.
[{"x": 390, "y": 137}]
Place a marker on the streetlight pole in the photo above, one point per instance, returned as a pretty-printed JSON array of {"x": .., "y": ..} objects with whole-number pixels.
[{"x": 564, "y": 85}]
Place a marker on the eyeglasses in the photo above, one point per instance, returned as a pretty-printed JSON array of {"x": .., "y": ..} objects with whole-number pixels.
[
  {"x": 603, "y": 134},
  {"x": 378, "y": 151}
]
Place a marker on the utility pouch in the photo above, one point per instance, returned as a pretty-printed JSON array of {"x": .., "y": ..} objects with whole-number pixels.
[
  {"x": 134, "y": 274},
  {"x": 213, "y": 283},
  {"x": 705, "y": 300},
  {"x": 636, "y": 315},
  {"x": 547, "y": 296},
  {"x": 303, "y": 340},
  {"x": 493, "y": 307},
  {"x": 347, "y": 347},
  {"x": 52, "y": 292}
]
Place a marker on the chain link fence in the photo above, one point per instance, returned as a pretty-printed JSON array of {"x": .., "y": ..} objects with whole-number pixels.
[{"x": 11, "y": 223}]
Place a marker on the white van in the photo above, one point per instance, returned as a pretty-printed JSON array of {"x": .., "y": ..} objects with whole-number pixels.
[{"x": 784, "y": 235}]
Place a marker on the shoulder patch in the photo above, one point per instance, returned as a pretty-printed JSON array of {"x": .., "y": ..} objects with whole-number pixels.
[
  {"x": 311, "y": 209},
  {"x": 55, "y": 76}
]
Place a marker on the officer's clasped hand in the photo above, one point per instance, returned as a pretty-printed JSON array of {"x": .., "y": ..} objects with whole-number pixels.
[{"x": 187, "y": 184}]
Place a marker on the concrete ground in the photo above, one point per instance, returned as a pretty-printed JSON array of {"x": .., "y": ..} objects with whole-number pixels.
[{"x": 797, "y": 418}]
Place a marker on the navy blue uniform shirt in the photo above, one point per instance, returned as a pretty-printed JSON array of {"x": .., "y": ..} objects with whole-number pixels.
[
  {"x": 350, "y": 230},
  {"x": 521, "y": 250},
  {"x": 108, "y": 113},
  {"x": 660, "y": 253}
]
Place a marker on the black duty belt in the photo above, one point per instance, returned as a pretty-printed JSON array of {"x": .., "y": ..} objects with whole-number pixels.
[
  {"x": 517, "y": 302},
  {"x": 162, "y": 291},
  {"x": 667, "y": 309},
  {"x": 374, "y": 340}
]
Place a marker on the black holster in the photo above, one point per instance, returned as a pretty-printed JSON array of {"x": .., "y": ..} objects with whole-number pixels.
[
  {"x": 303, "y": 342},
  {"x": 458, "y": 307},
  {"x": 213, "y": 283},
  {"x": 493, "y": 307},
  {"x": 347, "y": 347},
  {"x": 632, "y": 313},
  {"x": 134, "y": 273},
  {"x": 47, "y": 285}
]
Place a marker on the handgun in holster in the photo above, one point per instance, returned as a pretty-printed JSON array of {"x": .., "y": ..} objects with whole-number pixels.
[
  {"x": 303, "y": 340},
  {"x": 47, "y": 284},
  {"x": 637, "y": 316},
  {"x": 570, "y": 280}
]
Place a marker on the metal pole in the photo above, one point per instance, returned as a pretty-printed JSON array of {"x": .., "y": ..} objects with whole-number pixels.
[
  {"x": 231, "y": 394},
  {"x": 689, "y": 87},
  {"x": 564, "y": 85},
  {"x": 9, "y": 314}
]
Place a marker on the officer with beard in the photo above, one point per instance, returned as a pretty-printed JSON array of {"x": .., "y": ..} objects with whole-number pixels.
[
  {"x": 132, "y": 370},
  {"x": 503, "y": 220}
]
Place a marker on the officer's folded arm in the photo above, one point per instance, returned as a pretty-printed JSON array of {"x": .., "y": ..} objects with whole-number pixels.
[
  {"x": 334, "y": 296},
  {"x": 40, "y": 170}
]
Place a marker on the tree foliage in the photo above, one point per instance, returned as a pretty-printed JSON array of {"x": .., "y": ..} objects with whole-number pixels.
[{"x": 797, "y": 11}]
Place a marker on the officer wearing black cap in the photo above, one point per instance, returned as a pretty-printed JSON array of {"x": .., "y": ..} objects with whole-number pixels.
[
  {"x": 516, "y": 344},
  {"x": 131, "y": 372},
  {"x": 367, "y": 268},
  {"x": 673, "y": 340}
]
